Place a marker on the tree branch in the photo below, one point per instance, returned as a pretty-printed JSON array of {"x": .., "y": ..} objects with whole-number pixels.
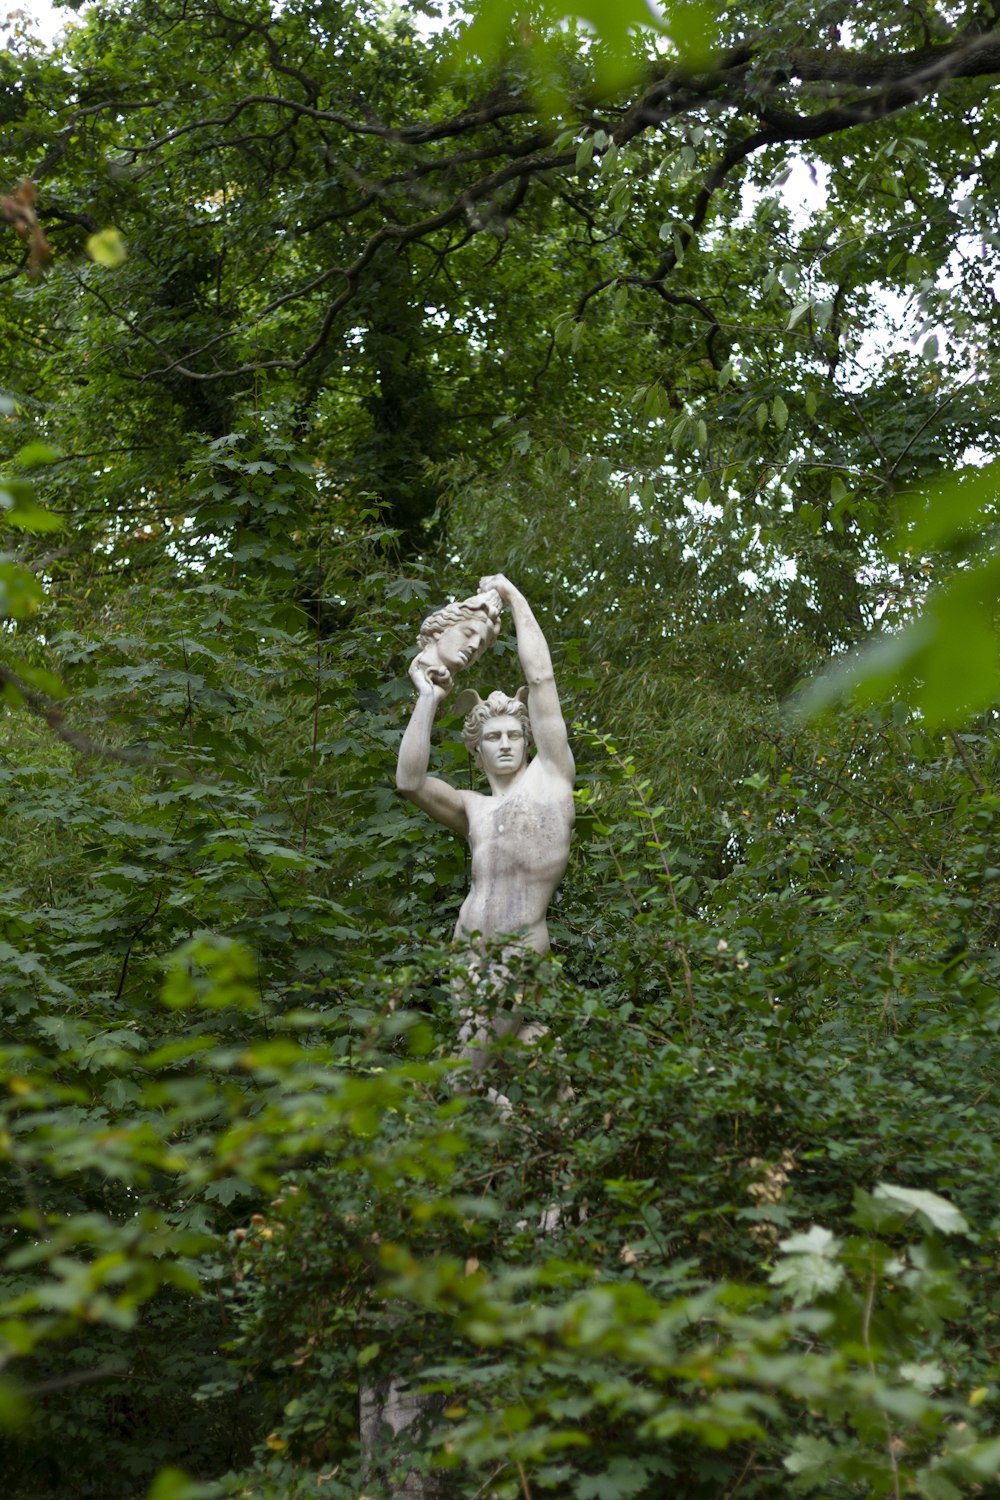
[{"x": 776, "y": 92}]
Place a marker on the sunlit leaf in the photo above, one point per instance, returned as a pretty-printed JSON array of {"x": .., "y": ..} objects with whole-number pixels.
[
  {"x": 948, "y": 510},
  {"x": 937, "y": 1212},
  {"x": 107, "y": 248},
  {"x": 20, "y": 591}
]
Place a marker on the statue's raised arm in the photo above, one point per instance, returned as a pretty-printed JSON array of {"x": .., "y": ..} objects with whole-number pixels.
[{"x": 548, "y": 728}]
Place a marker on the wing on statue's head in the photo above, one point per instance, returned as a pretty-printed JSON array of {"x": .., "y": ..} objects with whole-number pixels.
[{"x": 467, "y": 700}]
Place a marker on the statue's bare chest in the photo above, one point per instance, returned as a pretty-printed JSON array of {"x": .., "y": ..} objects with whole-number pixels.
[{"x": 527, "y": 831}]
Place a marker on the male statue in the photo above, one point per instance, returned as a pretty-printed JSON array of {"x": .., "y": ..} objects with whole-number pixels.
[{"x": 519, "y": 834}]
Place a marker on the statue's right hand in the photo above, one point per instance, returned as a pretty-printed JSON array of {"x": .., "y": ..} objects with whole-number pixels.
[{"x": 425, "y": 684}]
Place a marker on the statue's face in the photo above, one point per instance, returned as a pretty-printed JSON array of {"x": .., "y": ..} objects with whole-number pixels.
[
  {"x": 462, "y": 643},
  {"x": 502, "y": 745}
]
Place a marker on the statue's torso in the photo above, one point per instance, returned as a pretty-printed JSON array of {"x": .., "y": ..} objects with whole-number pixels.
[{"x": 520, "y": 846}]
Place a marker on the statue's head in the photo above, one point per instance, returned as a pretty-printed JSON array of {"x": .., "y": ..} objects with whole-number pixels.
[
  {"x": 455, "y": 636},
  {"x": 494, "y": 718}
]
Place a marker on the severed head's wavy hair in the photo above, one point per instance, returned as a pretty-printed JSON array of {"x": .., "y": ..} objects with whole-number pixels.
[
  {"x": 478, "y": 712},
  {"x": 479, "y": 607}
]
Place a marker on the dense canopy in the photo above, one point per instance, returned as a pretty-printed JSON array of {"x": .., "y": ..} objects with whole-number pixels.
[{"x": 312, "y": 314}]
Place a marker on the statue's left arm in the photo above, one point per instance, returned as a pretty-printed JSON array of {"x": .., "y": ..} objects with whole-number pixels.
[{"x": 544, "y": 711}]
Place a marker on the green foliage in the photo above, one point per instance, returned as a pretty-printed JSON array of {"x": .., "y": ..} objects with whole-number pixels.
[
  {"x": 381, "y": 328},
  {"x": 614, "y": 57},
  {"x": 946, "y": 662}
]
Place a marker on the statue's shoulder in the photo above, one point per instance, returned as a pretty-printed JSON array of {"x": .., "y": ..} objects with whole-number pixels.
[{"x": 544, "y": 780}]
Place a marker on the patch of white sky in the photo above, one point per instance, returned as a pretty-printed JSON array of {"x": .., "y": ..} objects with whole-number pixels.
[{"x": 46, "y": 20}]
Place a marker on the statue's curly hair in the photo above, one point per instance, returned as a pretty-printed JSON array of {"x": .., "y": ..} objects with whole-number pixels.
[{"x": 494, "y": 707}]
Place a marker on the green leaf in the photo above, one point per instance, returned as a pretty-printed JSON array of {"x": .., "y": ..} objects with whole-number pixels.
[
  {"x": 947, "y": 661},
  {"x": 563, "y": 329},
  {"x": 174, "y": 1484},
  {"x": 107, "y": 248},
  {"x": 40, "y": 678},
  {"x": 925, "y": 1376},
  {"x": 779, "y": 413},
  {"x": 936, "y": 1212},
  {"x": 15, "y": 1410},
  {"x": 22, "y": 511},
  {"x": 809, "y": 1268},
  {"x": 980, "y": 1460},
  {"x": 623, "y": 1478},
  {"x": 690, "y": 24},
  {"x": 810, "y": 1457},
  {"x": 20, "y": 591},
  {"x": 944, "y": 512},
  {"x": 35, "y": 455},
  {"x": 815, "y": 1241}
]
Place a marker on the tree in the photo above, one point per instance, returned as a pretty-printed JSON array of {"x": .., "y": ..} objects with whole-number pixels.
[{"x": 569, "y": 307}]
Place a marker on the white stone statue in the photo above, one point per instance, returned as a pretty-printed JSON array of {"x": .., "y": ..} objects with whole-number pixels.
[{"x": 519, "y": 833}]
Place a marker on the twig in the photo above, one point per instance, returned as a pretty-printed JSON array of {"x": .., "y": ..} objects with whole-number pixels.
[
  {"x": 968, "y": 762},
  {"x": 132, "y": 940}
]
